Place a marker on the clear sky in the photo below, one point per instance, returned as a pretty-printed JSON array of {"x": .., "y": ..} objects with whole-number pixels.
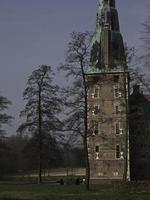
[{"x": 35, "y": 32}]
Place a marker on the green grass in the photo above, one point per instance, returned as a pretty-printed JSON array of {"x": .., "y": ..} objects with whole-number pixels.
[{"x": 66, "y": 192}]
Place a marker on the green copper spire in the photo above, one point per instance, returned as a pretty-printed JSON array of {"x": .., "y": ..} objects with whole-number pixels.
[{"x": 107, "y": 49}]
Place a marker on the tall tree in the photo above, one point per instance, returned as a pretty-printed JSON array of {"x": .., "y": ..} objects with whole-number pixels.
[
  {"x": 4, "y": 118},
  {"x": 144, "y": 58},
  {"x": 145, "y": 38},
  {"x": 41, "y": 108},
  {"x": 76, "y": 60}
]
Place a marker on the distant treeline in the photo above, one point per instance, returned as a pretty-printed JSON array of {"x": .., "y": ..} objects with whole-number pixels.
[{"x": 19, "y": 153}]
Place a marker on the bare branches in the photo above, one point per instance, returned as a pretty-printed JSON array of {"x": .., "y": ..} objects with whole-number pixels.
[
  {"x": 77, "y": 58},
  {"x": 41, "y": 108},
  {"x": 4, "y": 118},
  {"x": 76, "y": 96},
  {"x": 145, "y": 38},
  {"x": 40, "y": 85},
  {"x": 78, "y": 47},
  {"x": 130, "y": 54}
]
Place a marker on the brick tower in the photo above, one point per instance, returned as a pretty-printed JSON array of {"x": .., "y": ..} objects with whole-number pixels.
[{"x": 107, "y": 81}]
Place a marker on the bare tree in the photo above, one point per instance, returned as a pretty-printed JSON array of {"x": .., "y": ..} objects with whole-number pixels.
[
  {"x": 41, "y": 108},
  {"x": 144, "y": 59},
  {"x": 77, "y": 59},
  {"x": 145, "y": 38},
  {"x": 4, "y": 118}
]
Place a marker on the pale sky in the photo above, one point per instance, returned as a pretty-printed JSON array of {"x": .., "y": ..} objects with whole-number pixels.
[{"x": 35, "y": 32}]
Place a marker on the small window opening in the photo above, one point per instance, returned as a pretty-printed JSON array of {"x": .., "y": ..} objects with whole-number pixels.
[
  {"x": 116, "y": 79},
  {"x": 117, "y": 128},
  {"x": 117, "y": 151},
  {"x": 97, "y": 149}
]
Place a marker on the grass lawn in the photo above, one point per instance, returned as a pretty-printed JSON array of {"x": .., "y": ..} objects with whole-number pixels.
[{"x": 58, "y": 192}]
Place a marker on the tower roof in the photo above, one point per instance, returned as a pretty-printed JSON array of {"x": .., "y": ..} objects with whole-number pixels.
[{"x": 107, "y": 49}]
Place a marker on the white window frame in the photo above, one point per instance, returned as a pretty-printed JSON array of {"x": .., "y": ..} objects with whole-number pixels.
[
  {"x": 121, "y": 153},
  {"x": 116, "y": 173},
  {"x": 96, "y": 87},
  {"x": 100, "y": 174},
  {"x": 99, "y": 128},
  {"x": 93, "y": 111},
  {"x": 120, "y": 128},
  {"x": 115, "y": 124},
  {"x": 97, "y": 152},
  {"x": 119, "y": 108},
  {"x": 95, "y": 127},
  {"x": 119, "y": 94}
]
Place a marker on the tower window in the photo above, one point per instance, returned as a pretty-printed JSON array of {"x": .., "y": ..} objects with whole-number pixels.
[
  {"x": 116, "y": 79},
  {"x": 100, "y": 173},
  {"x": 95, "y": 110},
  {"x": 116, "y": 173},
  {"x": 99, "y": 128},
  {"x": 117, "y": 109},
  {"x": 117, "y": 92},
  {"x": 117, "y": 151},
  {"x": 95, "y": 93},
  {"x": 95, "y": 128},
  {"x": 97, "y": 152},
  {"x": 117, "y": 128},
  {"x": 97, "y": 149}
]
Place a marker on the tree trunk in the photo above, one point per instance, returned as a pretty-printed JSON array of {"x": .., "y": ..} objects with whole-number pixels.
[
  {"x": 87, "y": 164},
  {"x": 40, "y": 140},
  {"x": 126, "y": 93},
  {"x": 86, "y": 131}
]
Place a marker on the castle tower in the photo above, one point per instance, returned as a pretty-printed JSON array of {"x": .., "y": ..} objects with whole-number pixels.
[{"x": 107, "y": 82}]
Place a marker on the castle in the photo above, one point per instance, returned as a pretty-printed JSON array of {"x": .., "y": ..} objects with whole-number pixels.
[
  {"x": 118, "y": 123},
  {"x": 107, "y": 81}
]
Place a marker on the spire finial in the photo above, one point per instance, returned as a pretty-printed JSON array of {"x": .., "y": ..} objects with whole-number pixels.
[{"x": 111, "y": 3}]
